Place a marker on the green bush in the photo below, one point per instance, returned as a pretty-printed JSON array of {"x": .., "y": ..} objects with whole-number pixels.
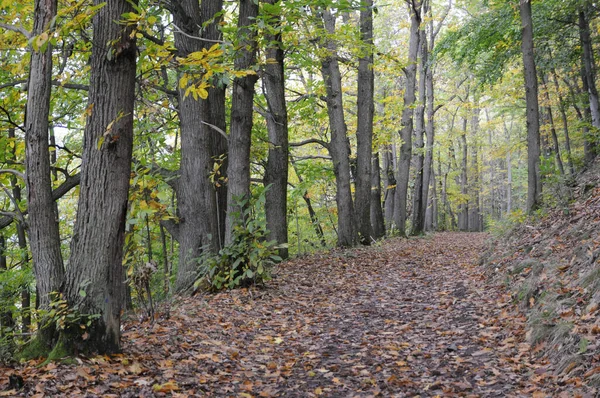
[{"x": 247, "y": 260}]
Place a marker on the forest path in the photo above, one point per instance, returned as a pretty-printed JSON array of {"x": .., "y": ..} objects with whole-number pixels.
[{"x": 404, "y": 318}]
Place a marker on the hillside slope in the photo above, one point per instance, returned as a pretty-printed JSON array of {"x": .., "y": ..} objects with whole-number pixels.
[{"x": 552, "y": 269}]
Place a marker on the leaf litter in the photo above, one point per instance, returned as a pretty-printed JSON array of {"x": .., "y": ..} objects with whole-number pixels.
[{"x": 404, "y": 318}]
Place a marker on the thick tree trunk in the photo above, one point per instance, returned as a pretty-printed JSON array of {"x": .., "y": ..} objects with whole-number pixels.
[
  {"x": 364, "y": 130},
  {"x": 419, "y": 206},
  {"x": 276, "y": 171},
  {"x": 376, "y": 212},
  {"x": 339, "y": 147},
  {"x": 97, "y": 246},
  {"x": 242, "y": 110},
  {"x": 407, "y": 121},
  {"x": 534, "y": 182},
  {"x": 198, "y": 204},
  {"x": 44, "y": 236}
]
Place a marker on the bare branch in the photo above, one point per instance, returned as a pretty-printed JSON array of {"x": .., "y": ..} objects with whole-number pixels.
[
  {"x": 178, "y": 30},
  {"x": 70, "y": 183},
  {"x": 18, "y": 29},
  {"x": 310, "y": 141},
  {"x": 217, "y": 129},
  {"x": 13, "y": 172}
]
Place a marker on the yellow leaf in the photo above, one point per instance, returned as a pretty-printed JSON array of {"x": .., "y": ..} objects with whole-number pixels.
[
  {"x": 318, "y": 391},
  {"x": 151, "y": 20}
]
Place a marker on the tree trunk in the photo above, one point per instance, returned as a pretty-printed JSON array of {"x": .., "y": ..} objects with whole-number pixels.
[
  {"x": 376, "y": 212},
  {"x": 463, "y": 215},
  {"x": 97, "y": 246},
  {"x": 407, "y": 121},
  {"x": 475, "y": 186},
  {"x": 364, "y": 130},
  {"x": 276, "y": 171},
  {"x": 311, "y": 211},
  {"x": 565, "y": 123},
  {"x": 198, "y": 204},
  {"x": 389, "y": 183},
  {"x": 339, "y": 147},
  {"x": 44, "y": 236},
  {"x": 556, "y": 146},
  {"x": 419, "y": 206},
  {"x": 590, "y": 80},
  {"x": 6, "y": 319},
  {"x": 242, "y": 110},
  {"x": 534, "y": 182}
]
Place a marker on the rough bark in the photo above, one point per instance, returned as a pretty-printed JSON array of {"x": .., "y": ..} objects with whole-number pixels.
[
  {"x": 198, "y": 204},
  {"x": 276, "y": 170},
  {"x": 240, "y": 133},
  {"x": 534, "y": 182},
  {"x": 406, "y": 132},
  {"x": 376, "y": 212},
  {"x": 364, "y": 130},
  {"x": 44, "y": 235},
  {"x": 339, "y": 147},
  {"x": 419, "y": 206},
  {"x": 97, "y": 245}
]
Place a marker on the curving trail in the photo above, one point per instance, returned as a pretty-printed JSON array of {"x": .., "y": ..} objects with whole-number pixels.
[{"x": 409, "y": 317}]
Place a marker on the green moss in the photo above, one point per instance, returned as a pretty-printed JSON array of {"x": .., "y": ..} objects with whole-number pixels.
[{"x": 34, "y": 349}]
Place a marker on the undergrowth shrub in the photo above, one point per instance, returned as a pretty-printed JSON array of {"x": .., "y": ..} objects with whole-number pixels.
[
  {"x": 247, "y": 260},
  {"x": 502, "y": 227}
]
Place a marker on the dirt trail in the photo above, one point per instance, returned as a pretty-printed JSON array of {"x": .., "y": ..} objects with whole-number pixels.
[{"x": 407, "y": 317}]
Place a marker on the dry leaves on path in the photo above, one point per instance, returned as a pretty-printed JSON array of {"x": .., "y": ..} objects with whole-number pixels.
[{"x": 404, "y": 318}]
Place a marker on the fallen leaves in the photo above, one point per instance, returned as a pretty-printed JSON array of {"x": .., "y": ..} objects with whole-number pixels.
[{"x": 408, "y": 317}]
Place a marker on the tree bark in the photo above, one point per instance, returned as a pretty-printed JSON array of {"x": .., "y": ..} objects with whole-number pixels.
[
  {"x": 339, "y": 147},
  {"x": 475, "y": 186},
  {"x": 565, "y": 123},
  {"x": 389, "y": 183},
  {"x": 97, "y": 245},
  {"x": 376, "y": 212},
  {"x": 418, "y": 214},
  {"x": 407, "y": 120},
  {"x": 534, "y": 182},
  {"x": 198, "y": 201},
  {"x": 44, "y": 235},
  {"x": 242, "y": 110},
  {"x": 276, "y": 171},
  {"x": 463, "y": 215},
  {"x": 364, "y": 130}
]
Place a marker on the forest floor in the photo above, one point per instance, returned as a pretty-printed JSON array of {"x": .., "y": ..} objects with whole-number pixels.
[{"x": 407, "y": 317}]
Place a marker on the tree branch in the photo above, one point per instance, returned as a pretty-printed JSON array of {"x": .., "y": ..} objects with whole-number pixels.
[
  {"x": 70, "y": 183},
  {"x": 13, "y": 172},
  {"x": 310, "y": 141},
  {"x": 18, "y": 29}
]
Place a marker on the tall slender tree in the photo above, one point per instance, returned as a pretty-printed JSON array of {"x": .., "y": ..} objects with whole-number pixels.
[
  {"x": 242, "y": 102},
  {"x": 364, "y": 130},
  {"x": 406, "y": 132},
  {"x": 43, "y": 226},
  {"x": 534, "y": 182},
  {"x": 276, "y": 170}
]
